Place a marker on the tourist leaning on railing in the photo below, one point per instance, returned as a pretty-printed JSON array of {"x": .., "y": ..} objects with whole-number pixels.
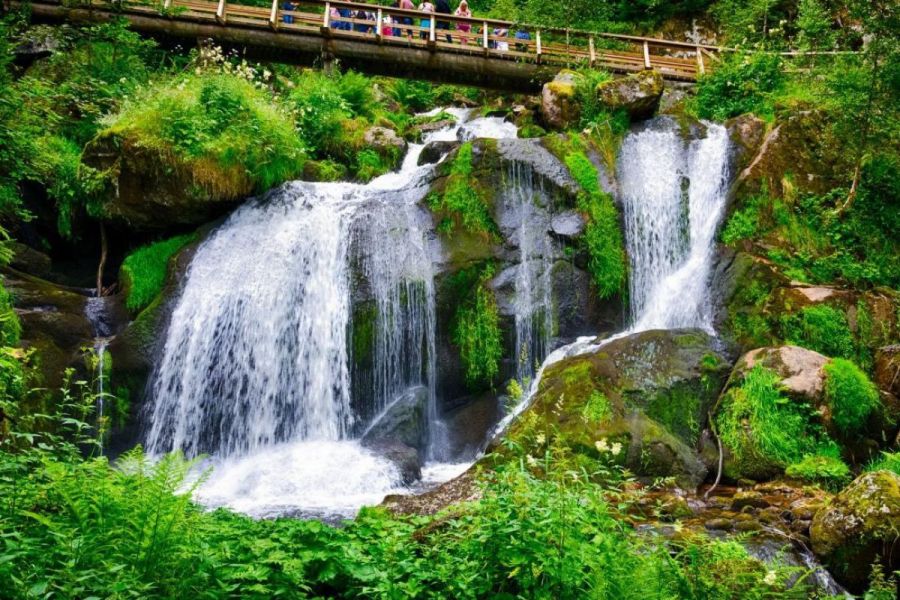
[{"x": 463, "y": 11}]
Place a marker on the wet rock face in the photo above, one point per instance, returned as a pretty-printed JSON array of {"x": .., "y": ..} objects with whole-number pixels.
[
  {"x": 637, "y": 94},
  {"x": 650, "y": 392},
  {"x": 747, "y": 132},
  {"x": 860, "y": 526},
  {"x": 387, "y": 144},
  {"x": 404, "y": 421},
  {"x": 53, "y": 321}
]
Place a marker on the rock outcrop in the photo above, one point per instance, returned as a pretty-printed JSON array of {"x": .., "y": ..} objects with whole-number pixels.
[
  {"x": 649, "y": 392},
  {"x": 636, "y": 94},
  {"x": 860, "y": 526}
]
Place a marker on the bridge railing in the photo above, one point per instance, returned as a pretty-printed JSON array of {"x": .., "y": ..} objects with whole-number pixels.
[{"x": 416, "y": 29}]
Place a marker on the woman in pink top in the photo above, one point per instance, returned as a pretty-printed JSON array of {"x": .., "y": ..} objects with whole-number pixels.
[{"x": 463, "y": 11}]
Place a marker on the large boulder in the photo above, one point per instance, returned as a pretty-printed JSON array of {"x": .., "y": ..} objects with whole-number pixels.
[
  {"x": 859, "y": 527},
  {"x": 387, "y": 144},
  {"x": 559, "y": 105},
  {"x": 650, "y": 393},
  {"x": 149, "y": 190},
  {"x": 636, "y": 94},
  {"x": 746, "y": 132},
  {"x": 887, "y": 369},
  {"x": 404, "y": 421},
  {"x": 802, "y": 371}
]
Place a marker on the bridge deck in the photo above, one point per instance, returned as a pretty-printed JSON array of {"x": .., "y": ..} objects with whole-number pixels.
[{"x": 393, "y": 41}]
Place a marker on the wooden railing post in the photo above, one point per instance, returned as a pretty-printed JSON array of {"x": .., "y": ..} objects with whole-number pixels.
[
  {"x": 647, "y": 64},
  {"x": 538, "y": 45},
  {"x": 701, "y": 68},
  {"x": 220, "y": 12},
  {"x": 273, "y": 15},
  {"x": 378, "y": 24},
  {"x": 326, "y": 20},
  {"x": 593, "y": 54},
  {"x": 167, "y": 5},
  {"x": 432, "y": 36},
  {"x": 484, "y": 35}
]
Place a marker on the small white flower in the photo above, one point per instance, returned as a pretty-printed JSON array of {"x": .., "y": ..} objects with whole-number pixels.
[
  {"x": 532, "y": 461},
  {"x": 770, "y": 578},
  {"x": 615, "y": 448},
  {"x": 540, "y": 439},
  {"x": 601, "y": 445}
]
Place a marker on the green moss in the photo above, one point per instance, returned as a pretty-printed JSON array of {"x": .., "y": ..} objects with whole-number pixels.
[
  {"x": 463, "y": 200},
  {"x": 763, "y": 429},
  {"x": 850, "y": 394},
  {"x": 821, "y": 328},
  {"x": 678, "y": 411},
  {"x": 825, "y": 468},
  {"x": 476, "y": 330},
  {"x": 363, "y": 332},
  {"x": 602, "y": 234},
  {"x": 597, "y": 408},
  {"x": 369, "y": 165},
  {"x": 144, "y": 271}
]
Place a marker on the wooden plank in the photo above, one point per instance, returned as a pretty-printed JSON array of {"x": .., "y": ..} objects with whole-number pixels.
[
  {"x": 220, "y": 12},
  {"x": 273, "y": 15}
]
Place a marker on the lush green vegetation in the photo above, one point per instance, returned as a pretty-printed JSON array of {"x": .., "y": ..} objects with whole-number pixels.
[
  {"x": 822, "y": 328},
  {"x": 463, "y": 203},
  {"x": 761, "y": 426},
  {"x": 825, "y": 468},
  {"x": 887, "y": 461},
  {"x": 143, "y": 272},
  {"x": 224, "y": 129},
  {"x": 476, "y": 326},
  {"x": 603, "y": 235},
  {"x": 851, "y": 396},
  {"x": 78, "y": 527}
]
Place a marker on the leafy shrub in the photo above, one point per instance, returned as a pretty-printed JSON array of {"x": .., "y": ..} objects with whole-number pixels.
[
  {"x": 602, "y": 235},
  {"x": 415, "y": 96},
  {"x": 850, "y": 394},
  {"x": 476, "y": 332},
  {"x": 144, "y": 270},
  {"x": 888, "y": 461},
  {"x": 821, "y": 328},
  {"x": 739, "y": 84},
  {"x": 825, "y": 468}
]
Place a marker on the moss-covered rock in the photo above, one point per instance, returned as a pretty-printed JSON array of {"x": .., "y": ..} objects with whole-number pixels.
[
  {"x": 860, "y": 526},
  {"x": 797, "y": 152},
  {"x": 638, "y": 94},
  {"x": 559, "y": 104},
  {"x": 649, "y": 392},
  {"x": 151, "y": 190}
]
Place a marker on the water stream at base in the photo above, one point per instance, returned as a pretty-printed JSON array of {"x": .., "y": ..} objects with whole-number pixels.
[{"x": 256, "y": 372}]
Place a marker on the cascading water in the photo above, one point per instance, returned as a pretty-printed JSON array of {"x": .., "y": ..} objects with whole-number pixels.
[
  {"x": 256, "y": 370},
  {"x": 673, "y": 193},
  {"x": 533, "y": 303}
]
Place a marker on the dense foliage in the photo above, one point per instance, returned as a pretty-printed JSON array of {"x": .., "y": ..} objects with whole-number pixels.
[
  {"x": 476, "y": 326},
  {"x": 79, "y": 527}
]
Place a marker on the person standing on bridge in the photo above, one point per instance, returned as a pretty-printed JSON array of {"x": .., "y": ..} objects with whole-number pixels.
[
  {"x": 408, "y": 5},
  {"x": 465, "y": 27},
  {"x": 426, "y": 7},
  {"x": 443, "y": 8}
]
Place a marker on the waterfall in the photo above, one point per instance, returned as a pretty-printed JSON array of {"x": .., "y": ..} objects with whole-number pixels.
[
  {"x": 673, "y": 193},
  {"x": 301, "y": 319},
  {"x": 533, "y": 303}
]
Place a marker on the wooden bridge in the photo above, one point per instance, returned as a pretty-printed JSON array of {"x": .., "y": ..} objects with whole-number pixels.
[{"x": 393, "y": 41}]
